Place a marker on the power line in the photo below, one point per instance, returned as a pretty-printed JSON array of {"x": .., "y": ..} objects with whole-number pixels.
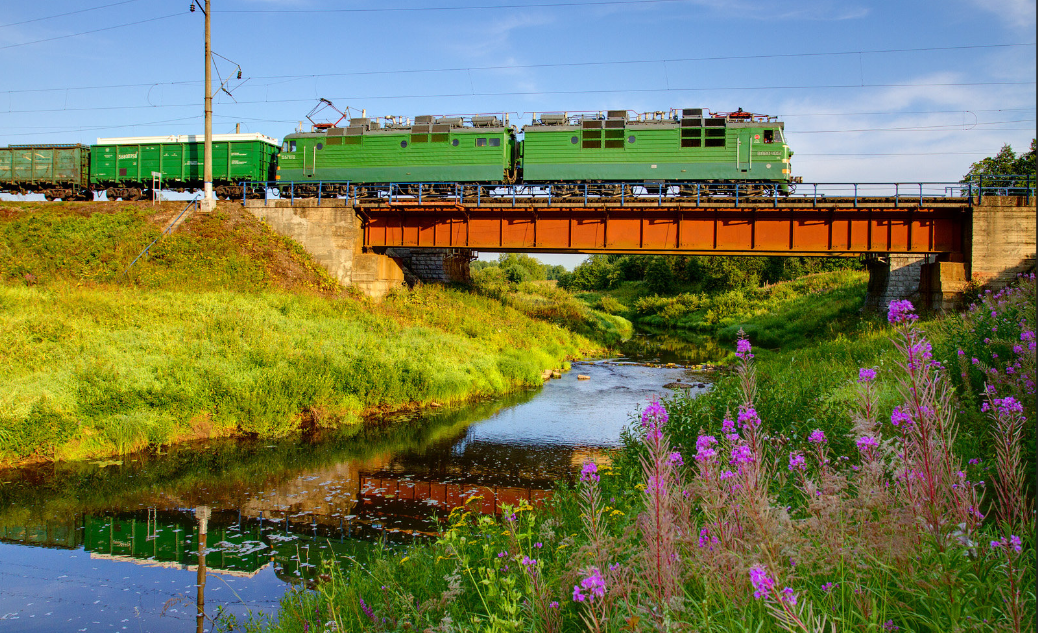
[
  {"x": 106, "y": 28},
  {"x": 550, "y": 92},
  {"x": 913, "y": 128},
  {"x": 539, "y": 5},
  {"x": 546, "y": 65},
  {"x": 61, "y": 15}
]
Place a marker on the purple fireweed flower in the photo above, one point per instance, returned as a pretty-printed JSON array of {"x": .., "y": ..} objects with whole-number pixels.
[
  {"x": 901, "y": 312},
  {"x": 743, "y": 348},
  {"x": 866, "y": 375},
  {"x": 1008, "y": 405},
  {"x": 538, "y": 545},
  {"x": 816, "y": 437},
  {"x": 788, "y": 596},
  {"x": 589, "y": 473},
  {"x": 1027, "y": 335},
  {"x": 368, "y": 611},
  {"x": 890, "y": 626},
  {"x": 675, "y": 458},
  {"x": 748, "y": 418},
  {"x": 502, "y": 554},
  {"x": 961, "y": 353},
  {"x": 529, "y": 563},
  {"x": 654, "y": 415},
  {"x": 829, "y": 586},
  {"x": 866, "y": 443},
  {"x": 741, "y": 454},
  {"x": 996, "y": 544},
  {"x": 727, "y": 474},
  {"x": 703, "y": 450},
  {"x": 797, "y": 462},
  {"x": 594, "y": 585},
  {"x": 900, "y": 416},
  {"x": 728, "y": 425},
  {"x": 554, "y": 604},
  {"x": 762, "y": 583},
  {"x": 1015, "y": 541}
]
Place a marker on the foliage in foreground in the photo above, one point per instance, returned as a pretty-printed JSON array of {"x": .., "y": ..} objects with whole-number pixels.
[{"x": 747, "y": 531}]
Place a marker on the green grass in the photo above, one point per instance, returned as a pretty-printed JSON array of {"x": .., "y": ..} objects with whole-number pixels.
[
  {"x": 225, "y": 329},
  {"x": 545, "y": 301}
]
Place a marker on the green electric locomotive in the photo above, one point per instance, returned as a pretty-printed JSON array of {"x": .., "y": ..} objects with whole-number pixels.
[{"x": 684, "y": 151}]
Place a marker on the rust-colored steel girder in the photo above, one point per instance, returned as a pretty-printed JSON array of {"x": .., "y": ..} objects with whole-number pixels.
[{"x": 811, "y": 229}]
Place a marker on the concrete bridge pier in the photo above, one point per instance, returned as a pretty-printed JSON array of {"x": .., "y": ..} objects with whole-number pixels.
[
  {"x": 331, "y": 233},
  {"x": 998, "y": 242}
]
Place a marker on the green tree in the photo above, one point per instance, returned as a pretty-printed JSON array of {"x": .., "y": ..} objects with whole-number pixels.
[
  {"x": 1004, "y": 163},
  {"x": 659, "y": 276},
  {"x": 534, "y": 269}
]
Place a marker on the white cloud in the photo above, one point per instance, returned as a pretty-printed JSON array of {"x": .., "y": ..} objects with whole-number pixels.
[{"x": 1018, "y": 13}]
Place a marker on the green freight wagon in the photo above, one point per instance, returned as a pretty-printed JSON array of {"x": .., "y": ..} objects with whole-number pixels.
[
  {"x": 684, "y": 146},
  {"x": 128, "y": 167},
  {"x": 56, "y": 171},
  {"x": 478, "y": 149}
]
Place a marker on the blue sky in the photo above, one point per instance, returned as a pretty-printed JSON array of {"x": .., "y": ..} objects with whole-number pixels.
[{"x": 869, "y": 91}]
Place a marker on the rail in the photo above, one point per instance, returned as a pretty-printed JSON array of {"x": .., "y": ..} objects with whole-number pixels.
[
  {"x": 647, "y": 193},
  {"x": 164, "y": 233}
]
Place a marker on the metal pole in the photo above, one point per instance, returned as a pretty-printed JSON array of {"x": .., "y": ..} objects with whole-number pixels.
[{"x": 208, "y": 202}]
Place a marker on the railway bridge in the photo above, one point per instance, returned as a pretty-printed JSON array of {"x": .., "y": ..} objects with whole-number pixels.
[{"x": 921, "y": 240}]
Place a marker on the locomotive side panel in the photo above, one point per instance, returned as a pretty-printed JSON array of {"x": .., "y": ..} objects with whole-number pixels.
[
  {"x": 428, "y": 153},
  {"x": 693, "y": 149}
]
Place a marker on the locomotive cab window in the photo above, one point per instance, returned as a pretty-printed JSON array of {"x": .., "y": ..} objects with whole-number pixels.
[
  {"x": 769, "y": 136},
  {"x": 481, "y": 142},
  {"x": 495, "y": 142},
  {"x": 291, "y": 146}
]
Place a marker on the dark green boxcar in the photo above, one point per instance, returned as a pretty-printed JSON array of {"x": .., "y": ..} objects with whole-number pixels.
[
  {"x": 57, "y": 171},
  {"x": 480, "y": 149},
  {"x": 130, "y": 162},
  {"x": 684, "y": 146}
]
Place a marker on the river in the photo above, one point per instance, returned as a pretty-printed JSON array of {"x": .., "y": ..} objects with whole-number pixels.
[{"x": 136, "y": 543}]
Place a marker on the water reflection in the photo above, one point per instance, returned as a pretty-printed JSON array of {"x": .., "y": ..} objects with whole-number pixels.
[{"x": 156, "y": 540}]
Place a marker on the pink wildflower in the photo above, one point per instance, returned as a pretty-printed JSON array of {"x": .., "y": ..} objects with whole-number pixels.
[
  {"x": 901, "y": 312},
  {"x": 762, "y": 583}
]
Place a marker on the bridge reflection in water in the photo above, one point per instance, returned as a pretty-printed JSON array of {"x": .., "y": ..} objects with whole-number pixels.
[{"x": 341, "y": 508}]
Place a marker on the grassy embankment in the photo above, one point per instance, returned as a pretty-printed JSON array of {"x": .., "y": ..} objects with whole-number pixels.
[
  {"x": 544, "y": 300},
  {"x": 225, "y": 329},
  {"x": 839, "y": 529}
]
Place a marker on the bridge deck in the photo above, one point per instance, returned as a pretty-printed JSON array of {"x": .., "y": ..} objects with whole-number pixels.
[{"x": 797, "y": 226}]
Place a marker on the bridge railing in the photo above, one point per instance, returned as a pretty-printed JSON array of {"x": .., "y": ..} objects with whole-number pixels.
[
  {"x": 998, "y": 185},
  {"x": 656, "y": 193}
]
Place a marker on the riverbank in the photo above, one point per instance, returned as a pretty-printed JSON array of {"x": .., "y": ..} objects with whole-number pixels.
[
  {"x": 225, "y": 329},
  {"x": 795, "y": 515}
]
